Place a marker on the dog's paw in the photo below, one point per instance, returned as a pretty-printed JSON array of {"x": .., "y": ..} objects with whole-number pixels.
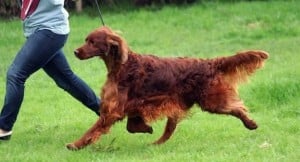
[
  {"x": 150, "y": 130},
  {"x": 251, "y": 125},
  {"x": 140, "y": 128},
  {"x": 71, "y": 146}
]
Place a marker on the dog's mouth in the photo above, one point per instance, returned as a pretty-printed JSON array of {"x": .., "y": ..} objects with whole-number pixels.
[
  {"x": 83, "y": 56},
  {"x": 79, "y": 55}
]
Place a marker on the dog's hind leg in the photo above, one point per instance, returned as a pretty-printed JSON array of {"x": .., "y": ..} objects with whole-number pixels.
[
  {"x": 235, "y": 108},
  {"x": 137, "y": 125},
  {"x": 238, "y": 110},
  {"x": 222, "y": 98},
  {"x": 169, "y": 129}
]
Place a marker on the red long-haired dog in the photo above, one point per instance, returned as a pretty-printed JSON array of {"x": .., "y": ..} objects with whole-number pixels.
[{"x": 145, "y": 87}]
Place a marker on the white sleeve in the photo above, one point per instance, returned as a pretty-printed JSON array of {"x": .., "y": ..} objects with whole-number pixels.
[{"x": 57, "y": 2}]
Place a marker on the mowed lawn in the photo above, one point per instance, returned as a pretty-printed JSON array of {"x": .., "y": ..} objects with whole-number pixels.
[{"x": 50, "y": 118}]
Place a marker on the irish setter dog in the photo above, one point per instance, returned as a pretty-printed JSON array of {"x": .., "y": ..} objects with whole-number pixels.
[{"x": 146, "y": 88}]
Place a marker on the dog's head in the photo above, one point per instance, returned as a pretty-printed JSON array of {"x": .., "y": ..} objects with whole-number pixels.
[{"x": 105, "y": 43}]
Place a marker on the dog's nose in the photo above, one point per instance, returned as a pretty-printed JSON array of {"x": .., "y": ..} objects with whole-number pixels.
[{"x": 76, "y": 52}]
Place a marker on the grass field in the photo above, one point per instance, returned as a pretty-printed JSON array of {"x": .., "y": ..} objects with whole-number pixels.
[{"x": 50, "y": 118}]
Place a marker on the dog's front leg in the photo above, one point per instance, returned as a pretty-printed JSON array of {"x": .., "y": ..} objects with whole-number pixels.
[
  {"x": 137, "y": 125},
  {"x": 89, "y": 137},
  {"x": 102, "y": 126}
]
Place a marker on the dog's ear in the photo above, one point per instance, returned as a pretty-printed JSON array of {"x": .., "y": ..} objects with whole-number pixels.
[{"x": 122, "y": 48}]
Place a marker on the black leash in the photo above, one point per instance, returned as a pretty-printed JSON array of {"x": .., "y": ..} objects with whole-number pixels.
[
  {"x": 100, "y": 14},
  {"x": 19, "y": 3}
]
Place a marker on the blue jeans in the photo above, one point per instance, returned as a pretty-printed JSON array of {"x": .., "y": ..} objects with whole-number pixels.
[{"x": 43, "y": 49}]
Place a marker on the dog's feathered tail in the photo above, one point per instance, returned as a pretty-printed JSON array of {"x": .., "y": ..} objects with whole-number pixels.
[{"x": 238, "y": 67}]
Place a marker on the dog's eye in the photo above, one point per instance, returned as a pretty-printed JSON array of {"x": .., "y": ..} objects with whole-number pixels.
[{"x": 92, "y": 42}]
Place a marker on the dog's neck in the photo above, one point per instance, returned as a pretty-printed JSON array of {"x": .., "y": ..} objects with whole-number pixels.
[{"x": 112, "y": 64}]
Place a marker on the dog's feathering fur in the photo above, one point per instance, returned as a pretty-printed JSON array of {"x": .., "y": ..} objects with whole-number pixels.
[{"x": 145, "y": 87}]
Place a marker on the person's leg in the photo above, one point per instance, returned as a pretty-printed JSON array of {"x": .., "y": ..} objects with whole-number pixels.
[
  {"x": 59, "y": 69},
  {"x": 38, "y": 49}
]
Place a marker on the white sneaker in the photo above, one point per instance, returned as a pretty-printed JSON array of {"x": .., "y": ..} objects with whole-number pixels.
[{"x": 5, "y": 135}]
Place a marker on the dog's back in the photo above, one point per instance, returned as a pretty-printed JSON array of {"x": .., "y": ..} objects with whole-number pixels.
[{"x": 186, "y": 79}]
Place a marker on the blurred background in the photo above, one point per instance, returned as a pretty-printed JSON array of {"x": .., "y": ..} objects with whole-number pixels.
[{"x": 10, "y": 8}]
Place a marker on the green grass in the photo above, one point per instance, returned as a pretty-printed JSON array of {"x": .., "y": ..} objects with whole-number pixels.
[{"x": 50, "y": 118}]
